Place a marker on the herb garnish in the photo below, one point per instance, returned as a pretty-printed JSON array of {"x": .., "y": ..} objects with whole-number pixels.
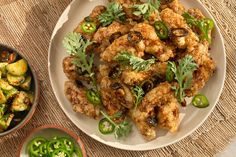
[
  {"x": 114, "y": 12},
  {"x": 204, "y": 25},
  {"x": 138, "y": 94},
  {"x": 146, "y": 9},
  {"x": 183, "y": 74},
  {"x": 122, "y": 129},
  {"x": 76, "y": 46},
  {"x": 137, "y": 64}
]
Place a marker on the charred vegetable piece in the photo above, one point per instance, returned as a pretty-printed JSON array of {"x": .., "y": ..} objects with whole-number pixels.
[
  {"x": 161, "y": 30},
  {"x": 15, "y": 80},
  {"x": 134, "y": 37},
  {"x": 93, "y": 97},
  {"x": 12, "y": 57},
  {"x": 114, "y": 36},
  {"x": 61, "y": 153},
  {"x": 3, "y": 69},
  {"x": 5, "y": 122},
  {"x": 4, "y": 56},
  {"x": 34, "y": 146},
  {"x": 18, "y": 68},
  {"x": 27, "y": 83},
  {"x": 69, "y": 145},
  {"x": 200, "y": 101},
  {"x": 3, "y": 109},
  {"x": 115, "y": 72},
  {"x": 11, "y": 93},
  {"x": 147, "y": 86},
  {"x": 4, "y": 85},
  {"x": 88, "y": 27},
  {"x": 2, "y": 98},
  {"x": 152, "y": 121},
  {"x": 179, "y": 32},
  {"x": 105, "y": 126},
  {"x": 21, "y": 102}
]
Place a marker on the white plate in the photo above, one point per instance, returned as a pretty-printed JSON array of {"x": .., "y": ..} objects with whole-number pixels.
[{"x": 192, "y": 117}]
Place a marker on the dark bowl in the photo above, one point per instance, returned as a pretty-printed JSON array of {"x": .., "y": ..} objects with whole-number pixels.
[{"x": 35, "y": 87}]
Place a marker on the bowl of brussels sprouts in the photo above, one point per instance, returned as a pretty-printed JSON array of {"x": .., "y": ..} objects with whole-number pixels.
[{"x": 19, "y": 90}]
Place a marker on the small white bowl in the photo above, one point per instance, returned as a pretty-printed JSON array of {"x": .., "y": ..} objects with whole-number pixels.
[{"x": 49, "y": 131}]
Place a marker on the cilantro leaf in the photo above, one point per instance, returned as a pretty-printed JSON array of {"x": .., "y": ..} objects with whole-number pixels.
[
  {"x": 76, "y": 46},
  {"x": 183, "y": 74},
  {"x": 121, "y": 129},
  {"x": 114, "y": 12},
  {"x": 146, "y": 9},
  {"x": 137, "y": 64},
  {"x": 138, "y": 94}
]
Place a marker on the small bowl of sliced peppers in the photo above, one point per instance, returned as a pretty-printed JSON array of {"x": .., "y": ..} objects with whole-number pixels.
[
  {"x": 52, "y": 141},
  {"x": 19, "y": 90}
]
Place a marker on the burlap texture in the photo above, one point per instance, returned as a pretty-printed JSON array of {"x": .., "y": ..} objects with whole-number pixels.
[{"x": 27, "y": 25}]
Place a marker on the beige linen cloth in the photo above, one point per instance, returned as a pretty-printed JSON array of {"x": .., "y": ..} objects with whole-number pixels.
[{"x": 27, "y": 25}]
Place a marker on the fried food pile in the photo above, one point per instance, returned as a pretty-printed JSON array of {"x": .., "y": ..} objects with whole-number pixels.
[{"x": 151, "y": 56}]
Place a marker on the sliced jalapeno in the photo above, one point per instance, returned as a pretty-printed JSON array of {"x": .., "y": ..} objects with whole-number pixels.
[
  {"x": 54, "y": 145},
  {"x": 88, "y": 27},
  {"x": 161, "y": 30},
  {"x": 93, "y": 97},
  {"x": 61, "y": 153},
  {"x": 69, "y": 145},
  {"x": 200, "y": 101},
  {"x": 105, "y": 127},
  {"x": 43, "y": 149},
  {"x": 34, "y": 146}
]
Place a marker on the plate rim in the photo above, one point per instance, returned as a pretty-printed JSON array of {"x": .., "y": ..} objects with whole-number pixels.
[{"x": 123, "y": 146}]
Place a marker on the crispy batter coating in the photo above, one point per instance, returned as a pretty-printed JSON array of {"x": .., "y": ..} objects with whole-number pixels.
[
  {"x": 115, "y": 95},
  {"x": 71, "y": 71},
  {"x": 175, "y": 5},
  {"x": 77, "y": 96},
  {"x": 131, "y": 77},
  {"x": 168, "y": 112}
]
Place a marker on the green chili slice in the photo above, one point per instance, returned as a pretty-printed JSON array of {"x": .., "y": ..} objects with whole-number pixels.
[
  {"x": 200, "y": 101},
  {"x": 34, "y": 146},
  {"x": 105, "y": 127},
  {"x": 93, "y": 97},
  {"x": 161, "y": 30},
  {"x": 54, "y": 145},
  {"x": 88, "y": 27},
  {"x": 61, "y": 153},
  {"x": 43, "y": 149},
  {"x": 69, "y": 145}
]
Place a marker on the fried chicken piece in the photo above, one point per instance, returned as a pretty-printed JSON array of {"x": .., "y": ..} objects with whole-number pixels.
[
  {"x": 131, "y": 77},
  {"x": 167, "y": 115},
  {"x": 153, "y": 45},
  {"x": 175, "y": 5},
  {"x": 115, "y": 95},
  {"x": 197, "y": 13},
  {"x": 140, "y": 119},
  {"x": 205, "y": 70},
  {"x": 77, "y": 96},
  {"x": 71, "y": 71},
  {"x": 119, "y": 45},
  {"x": 176, "y": 21},
  {"x": 106, "y": 35},
  {"x": 168, "y": 108},
  {"x": 94, "y": 16}
]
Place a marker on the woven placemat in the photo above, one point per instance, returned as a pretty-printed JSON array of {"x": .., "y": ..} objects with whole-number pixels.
[{"x": 27, "y": 25}]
